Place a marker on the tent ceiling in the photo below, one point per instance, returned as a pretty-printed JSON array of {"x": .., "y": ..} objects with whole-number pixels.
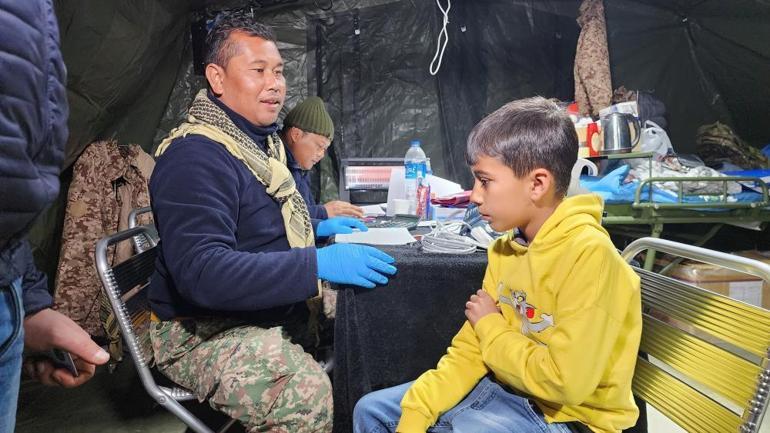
[
  {"x": 697, "y": 8},
  {"x": 256, "y": 4}
]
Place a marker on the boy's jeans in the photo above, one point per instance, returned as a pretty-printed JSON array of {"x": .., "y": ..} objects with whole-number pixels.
[
  {"x": 487, "y": 409},
  {"x": 11, "y": 346}
]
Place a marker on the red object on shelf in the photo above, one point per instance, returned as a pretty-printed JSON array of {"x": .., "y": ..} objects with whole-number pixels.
[
  {"x": 461, "y": 199},
  {"x": 593, "y": 140}
]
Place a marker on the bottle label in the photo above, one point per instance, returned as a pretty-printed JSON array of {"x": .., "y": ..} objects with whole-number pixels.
[
  {"x": 423, "y": 202},
  {"x": 415, "y": 170}
]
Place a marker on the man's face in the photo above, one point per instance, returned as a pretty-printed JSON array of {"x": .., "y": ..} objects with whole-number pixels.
[
  {"x": 308, "y": 148},
  {"x": 504, "y": 200},
  {"x": 252, "y": 82}
]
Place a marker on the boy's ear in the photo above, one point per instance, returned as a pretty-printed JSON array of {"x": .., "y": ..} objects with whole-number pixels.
[{"x": 541, "y": 183}]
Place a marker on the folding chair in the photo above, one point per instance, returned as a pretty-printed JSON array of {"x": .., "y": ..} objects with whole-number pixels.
[
  {"x": 707, "y": 366},
  {"x": 124, "y": 286},
  {"x": 142, "y": 242}
]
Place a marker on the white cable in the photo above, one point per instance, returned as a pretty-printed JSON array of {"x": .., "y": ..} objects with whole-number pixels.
[
  {"x": 444, "y": 239},
  {"x": 439, "y": 46}
]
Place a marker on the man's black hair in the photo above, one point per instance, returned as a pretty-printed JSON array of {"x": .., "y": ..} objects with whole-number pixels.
[{"x": 219, "y": 49}]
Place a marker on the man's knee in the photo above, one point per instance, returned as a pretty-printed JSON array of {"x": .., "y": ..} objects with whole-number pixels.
[
  {"x": 305, "y": 402},
  {"x": 294, "y": 394}
]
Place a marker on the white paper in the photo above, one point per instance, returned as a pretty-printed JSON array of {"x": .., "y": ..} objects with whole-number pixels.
[
  {"x": 439, "y": 187},
  {"x": 373, "y": 210},
  {"x": 382, "y": 236},
  {"x": 442, "y": 187}
]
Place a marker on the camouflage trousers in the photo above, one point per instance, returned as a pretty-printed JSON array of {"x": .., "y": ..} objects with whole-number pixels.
[{"x": 254, "y": 374}]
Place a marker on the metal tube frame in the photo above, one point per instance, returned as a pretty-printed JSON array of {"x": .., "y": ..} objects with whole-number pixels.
[
  {"x": 755, "y": 411},
  {"x": 141, "y": 242},
  {"x": 679, "y": 204},
  {"x": 163, "y": 397},
  {"x": 134, "y": 214}
]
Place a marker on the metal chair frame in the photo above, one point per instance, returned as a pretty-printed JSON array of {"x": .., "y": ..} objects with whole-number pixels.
[
  {"x": 145, "y": 241},
  {"x": 718, "y": 345},
  {"x": 123, "y": 282}
]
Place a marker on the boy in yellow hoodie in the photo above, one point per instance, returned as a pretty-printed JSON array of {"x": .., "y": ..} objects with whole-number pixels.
[{"x": 551, "y": 340}]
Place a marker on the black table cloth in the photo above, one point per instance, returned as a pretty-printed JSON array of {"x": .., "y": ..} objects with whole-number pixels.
[{"x": 391, "y": 334}]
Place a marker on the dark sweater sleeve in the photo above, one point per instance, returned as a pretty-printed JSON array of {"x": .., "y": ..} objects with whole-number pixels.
[
  {"x": 318, "y": 211},
  {"x": 34, "y": 283},
  {"x": 195, "y": 190}
]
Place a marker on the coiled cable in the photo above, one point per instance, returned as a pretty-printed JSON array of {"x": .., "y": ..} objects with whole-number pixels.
[{"x": 445, "y": 239}]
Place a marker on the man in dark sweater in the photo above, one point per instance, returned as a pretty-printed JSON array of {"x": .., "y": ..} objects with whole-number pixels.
[
  {"x": 237, "y": 257},
  {"x": 307, "y": 132}
]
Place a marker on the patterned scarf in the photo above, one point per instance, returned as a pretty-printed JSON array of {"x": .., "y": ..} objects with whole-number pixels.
[{"x": 207, "y": 119}]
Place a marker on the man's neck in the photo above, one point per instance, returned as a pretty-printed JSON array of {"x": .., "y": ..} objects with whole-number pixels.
[{"x": 256, "y": 132}]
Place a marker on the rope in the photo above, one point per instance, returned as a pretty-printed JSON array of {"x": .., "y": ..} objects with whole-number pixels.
[{"x": 443, "y": 34}]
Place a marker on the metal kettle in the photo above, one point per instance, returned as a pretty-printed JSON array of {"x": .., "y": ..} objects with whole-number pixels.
[{"x": 616, "y": 128}]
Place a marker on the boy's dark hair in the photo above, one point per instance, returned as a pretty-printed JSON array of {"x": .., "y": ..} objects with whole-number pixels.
[
  {"x": 527, "y": 134},
  {"x": 219, "y": 50}
]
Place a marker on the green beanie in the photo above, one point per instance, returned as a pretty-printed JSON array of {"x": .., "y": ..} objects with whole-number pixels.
[{"x": 310, "y": 115}]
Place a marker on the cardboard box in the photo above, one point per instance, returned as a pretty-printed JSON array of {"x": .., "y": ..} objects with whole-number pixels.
[
  {"x": 737, "y": 285},
  {"x": 448, "y": 213}
]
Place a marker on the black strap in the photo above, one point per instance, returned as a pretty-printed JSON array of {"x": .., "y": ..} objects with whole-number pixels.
[{"x": 577, "y": 427}]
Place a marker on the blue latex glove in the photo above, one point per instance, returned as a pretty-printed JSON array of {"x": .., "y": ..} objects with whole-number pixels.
[
  {"x": 361, "y": 265},
  {"x": 339, "y": 225},
  {"x": 606, "y": 185}
]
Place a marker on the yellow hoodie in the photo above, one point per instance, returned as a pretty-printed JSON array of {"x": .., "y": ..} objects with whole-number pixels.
[{"x": 568, "y": 334}]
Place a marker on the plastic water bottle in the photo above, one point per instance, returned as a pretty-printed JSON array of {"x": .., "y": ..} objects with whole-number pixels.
[{"x": 414, "y": 170}]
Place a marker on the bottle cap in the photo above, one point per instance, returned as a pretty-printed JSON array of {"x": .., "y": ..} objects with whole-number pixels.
[{"x": 415, "y": 143}]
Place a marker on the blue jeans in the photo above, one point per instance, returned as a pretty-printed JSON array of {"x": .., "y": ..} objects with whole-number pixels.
[
  {"x": 11, "y": 346},
  {"x": 487, "y": 409}
]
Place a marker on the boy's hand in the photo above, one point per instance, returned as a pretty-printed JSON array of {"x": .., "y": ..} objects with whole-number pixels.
[{"x": 479, "y": 305}]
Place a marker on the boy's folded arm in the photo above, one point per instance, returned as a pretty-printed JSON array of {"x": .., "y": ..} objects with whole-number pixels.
[
  {"x": 570, "y": 367},
  {"x": 440, "y": 389},
  {"x": 566, "y": 371}
]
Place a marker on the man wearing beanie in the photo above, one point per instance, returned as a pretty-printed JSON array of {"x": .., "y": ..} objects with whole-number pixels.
[{"x": 307, "y": 132}]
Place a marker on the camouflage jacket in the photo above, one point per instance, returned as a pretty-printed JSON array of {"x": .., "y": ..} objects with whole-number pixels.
[
  {"x": 108, "y": 181},
  {"x": 593, "y": 85}
]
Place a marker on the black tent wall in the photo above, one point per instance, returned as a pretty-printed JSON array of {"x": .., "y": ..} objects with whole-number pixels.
[
  {"x": 381, "y": 94},
  {"x": 130, "y": 74},
  {"x": 707, "y": 60},
  {"x": 122, "y": 59}
]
